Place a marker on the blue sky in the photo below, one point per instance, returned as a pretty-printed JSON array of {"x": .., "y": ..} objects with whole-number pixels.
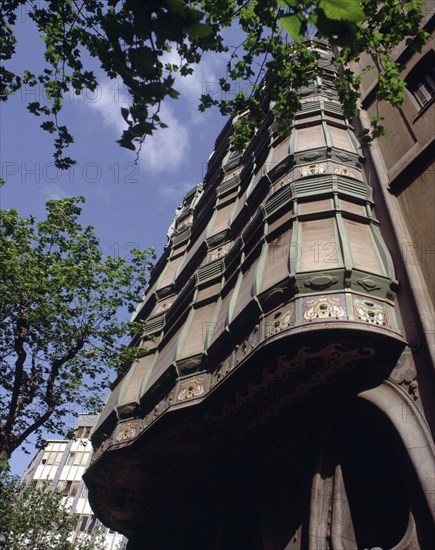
[{"x": 129, "y": 205}]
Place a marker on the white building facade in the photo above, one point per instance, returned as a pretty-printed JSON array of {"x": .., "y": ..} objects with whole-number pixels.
[{"x": 63, "y": 462}]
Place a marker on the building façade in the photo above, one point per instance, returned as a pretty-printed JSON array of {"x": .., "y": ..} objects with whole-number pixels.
[{"x": 286, "y": 400}]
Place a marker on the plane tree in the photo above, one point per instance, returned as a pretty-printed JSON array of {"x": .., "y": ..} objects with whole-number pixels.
[{"x": 61, "y": 340}]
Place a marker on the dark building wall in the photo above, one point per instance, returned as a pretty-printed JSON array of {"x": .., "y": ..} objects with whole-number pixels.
[
  {"x": 400, "y": 168},
  {"x": 417, "y": 202},
  {"x": 407, "y": 153}
]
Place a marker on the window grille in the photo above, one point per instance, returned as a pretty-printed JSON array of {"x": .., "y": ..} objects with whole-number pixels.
[{"x": 421, "y": 80}]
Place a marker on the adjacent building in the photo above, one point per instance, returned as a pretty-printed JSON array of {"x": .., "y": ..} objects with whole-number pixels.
[
  {"x": 63, "y": 462},
  {"x": 286, "y": 400}
]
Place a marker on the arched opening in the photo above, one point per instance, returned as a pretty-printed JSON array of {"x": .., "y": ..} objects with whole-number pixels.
[{"x": 366, "y": 490}]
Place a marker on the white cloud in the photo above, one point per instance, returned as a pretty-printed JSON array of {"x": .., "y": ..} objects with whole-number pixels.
[
  {"x": 166, "y": 150},
  {"x": 108, "y": 100}
]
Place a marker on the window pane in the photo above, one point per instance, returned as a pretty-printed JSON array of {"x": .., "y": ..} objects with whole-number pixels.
[
  {"x": 92, "y": 522},
  {"x": 52, "y": 458},
  {"x": 66, "y": 488},
  {"x": 83, "y": 523},
  {"x": 85, "y": 458},
  {"x": 74, "y": 488},
  {"x": 421, "y": 80}
]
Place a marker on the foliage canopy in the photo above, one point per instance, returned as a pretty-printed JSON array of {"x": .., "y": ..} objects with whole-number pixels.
[
  {"x": 60, "y": 339},
  {"x": 131, "y": 39},
  {"x": 36, "y": 518}
]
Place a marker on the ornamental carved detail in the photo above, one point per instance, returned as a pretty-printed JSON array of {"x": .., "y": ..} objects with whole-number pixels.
[
  {"x": 368, "y": 283},
  {"x": 164, "y": 306},
  {"x": 313, "y": 169},
  {"x": 321, "y": 168},
  {"x": 343, "y": 170},
  {"x": 314, "y": 155},
  {"x": 248, "y": 344},
  {"x": 369, "y": 311},
  {"x": 344, "y": 157},
  {"x": 404, "y": 375},
  {"x": 191, "y": 388},
  {"x": 279, "y": 321},
  {"x": 126, "y": 431},
  {"x": 320, "y": 282},
  {"x": 324, "y": 308}
]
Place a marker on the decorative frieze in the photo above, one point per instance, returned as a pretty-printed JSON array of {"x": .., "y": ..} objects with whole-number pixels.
[
  {"x": 248, "y": 344},
  {"x": 290, "y": 379},
  {"x": 369, "y": 311},
  {"x": 279, "y": 320},
  {"x": 191, "y": 388},
  {"x": 126, "y": 431},
  {"x": 164, "y": 306},
  {"x": 331, "y": 307}
]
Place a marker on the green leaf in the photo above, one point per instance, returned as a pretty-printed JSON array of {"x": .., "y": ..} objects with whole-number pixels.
[
  {"x": 378, "y": 36},
  {"x": 198, "y": 30},
  {"x": 125, "y": 113},
  {"x": 177, "y": 6},
  {"x": 143, "y": 61},
  {"x": 293, "y": 24},
  {"x": 342, "y": 10},
  {"x": 288, "y": 3},
  {"x": 129, "y": 41},
  {"x": 341, "y": 33},
  {"x": 49, "y": 126},
  {"x": 127, "y": 144},
  {"x": 61, "y": 296}
]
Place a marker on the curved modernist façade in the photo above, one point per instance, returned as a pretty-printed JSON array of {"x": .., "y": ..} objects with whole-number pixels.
[{"x": 276, "y": 407}]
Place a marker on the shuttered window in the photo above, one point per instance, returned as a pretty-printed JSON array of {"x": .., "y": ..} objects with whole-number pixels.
[
  {"x": 319, "y": 246},
  {"x": 361, "y": 246},
  {"x": 309, "y": 138},
  {"x": 276, "y": 265}
]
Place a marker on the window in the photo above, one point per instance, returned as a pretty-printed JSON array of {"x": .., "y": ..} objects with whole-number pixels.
[
  {"x": 70, "y": 488},
  {"x": 421, "y": 80},
  {"x": 424, "y": 90},
  {"x": 66, "y": 488},
  {"x": 87, "y": 522},
  {"x": 83, "y": 522},
  {"x": 74, "y": 488},
  {"x": 78, "y": 458},
  {"x": 83, "y": 432},
  {"x": 52, "y": 457}
]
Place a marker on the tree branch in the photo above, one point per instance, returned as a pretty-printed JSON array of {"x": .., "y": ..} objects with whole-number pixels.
[
  {"x": 49, "y": 398},
  {"x": 22, "y": 331}
]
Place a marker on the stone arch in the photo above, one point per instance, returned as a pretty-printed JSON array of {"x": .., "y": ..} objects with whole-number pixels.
[
  {"x": 412, "y": 429},
  {"x": 373, "y": 485}
]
